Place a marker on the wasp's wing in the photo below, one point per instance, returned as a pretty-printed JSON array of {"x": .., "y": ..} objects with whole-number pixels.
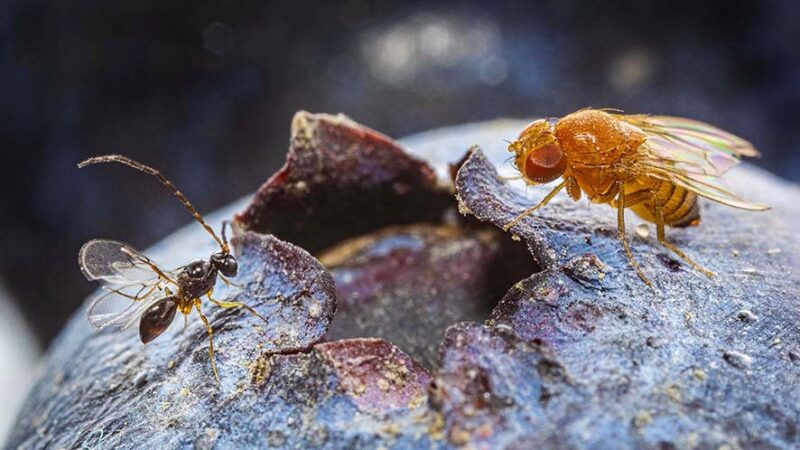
[
  {"x": 112, "y": 261},
  {"x": 130, "y": 285},
  {"x": 111, "y": 310},
  {"x": 693, "y": 155}
]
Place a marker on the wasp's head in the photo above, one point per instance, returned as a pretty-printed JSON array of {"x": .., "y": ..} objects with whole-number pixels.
[
  {"x": 225, "y": 263},
  {"x": 537, "y": 153}
]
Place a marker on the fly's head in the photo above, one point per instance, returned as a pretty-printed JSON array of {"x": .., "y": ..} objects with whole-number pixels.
[{"x": 537, "y": 153}]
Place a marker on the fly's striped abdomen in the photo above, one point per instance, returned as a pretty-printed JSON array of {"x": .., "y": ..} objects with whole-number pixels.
[
  {"x": 678, "y": 205},
  {"x": 687, "y": 213}
]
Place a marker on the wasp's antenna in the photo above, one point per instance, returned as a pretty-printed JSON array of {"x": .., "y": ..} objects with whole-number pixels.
[
  {"x": 164, "y": 180},
  {"x": 224, "y": 238}
]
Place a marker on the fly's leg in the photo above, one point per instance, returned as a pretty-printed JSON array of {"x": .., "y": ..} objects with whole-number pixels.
[
  {"x": 671, "y": 247},
  {"x": 573, "y": 188},
  {"x": 634, "y": 198},
  {"x": 528, "y": 211},
  {"x": 210, "y": 339},
  {"x": 226, "y": 305},
  {"x": 621, "y": 234}
]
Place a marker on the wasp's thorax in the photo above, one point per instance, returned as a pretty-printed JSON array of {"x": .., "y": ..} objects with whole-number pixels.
[
  {"x": 197, "y": 278},
  {"x": 538, "y": 155}
]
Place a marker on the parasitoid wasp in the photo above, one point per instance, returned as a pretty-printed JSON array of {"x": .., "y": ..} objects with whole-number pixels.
[{"x": 153, "y": 295}]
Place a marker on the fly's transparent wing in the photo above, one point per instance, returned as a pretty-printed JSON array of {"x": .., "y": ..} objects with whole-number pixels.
[
  {"x": 131, "y": 282},
  {"x": 693, "y": 155}
]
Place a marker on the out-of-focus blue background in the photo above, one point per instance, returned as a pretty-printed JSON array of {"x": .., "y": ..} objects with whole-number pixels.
[{"x": 205, "y": 91}]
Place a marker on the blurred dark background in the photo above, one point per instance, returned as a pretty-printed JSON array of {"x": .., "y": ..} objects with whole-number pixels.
[{"x": 206, "y": 90}]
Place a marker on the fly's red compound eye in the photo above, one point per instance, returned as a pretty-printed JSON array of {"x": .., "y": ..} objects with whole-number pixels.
[{"x": 545, "y": 164}]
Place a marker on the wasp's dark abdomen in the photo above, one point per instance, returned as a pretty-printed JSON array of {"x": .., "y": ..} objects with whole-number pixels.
[{"x": 157, "y": 318}]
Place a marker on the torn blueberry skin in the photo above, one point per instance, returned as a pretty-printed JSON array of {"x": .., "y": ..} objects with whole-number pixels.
[
  {"x": 341, "y": 180},
  {"x": 396, "y": 322}
]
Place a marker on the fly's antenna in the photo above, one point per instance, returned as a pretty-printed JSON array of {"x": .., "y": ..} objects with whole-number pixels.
[{"x": 124, "y": 160}]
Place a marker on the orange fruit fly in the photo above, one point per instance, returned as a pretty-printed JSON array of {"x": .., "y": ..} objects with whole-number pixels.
[{"x": 655, "y": 165}]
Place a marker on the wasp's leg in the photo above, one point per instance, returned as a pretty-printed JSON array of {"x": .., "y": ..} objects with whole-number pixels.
[
  {"x": 544, "y": 201},
  {"x": 621, "y": 235},
  {"x": 229, "y": 282},
  {"x": 210, "y": 339},
  {"x": 663, "y": 240},
  {"x": 225, "y": 305}
]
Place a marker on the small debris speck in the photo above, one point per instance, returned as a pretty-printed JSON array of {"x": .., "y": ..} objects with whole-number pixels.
[
  {"x": 654, "y": 342},
  {"x": 674, "y": 392},
  {"x": 587, "y": 268},
  {"x": 383, "y": 385},
  {"x": 301, "y": 186},
  {"x": 737, "y": 359},
  {"x": 642, "y": 230},
  {"x": 276, "y": 438},
  {"x": 773, "y": 251},
  {"x": 140, "y": 379},
  {"x": 642, "y": 419},
  {"x": 745, "y": 315},
  {"x": 207, "y": 440},
  {"x": 735, "y": 252},
  {"x": 669, "y": 262}
]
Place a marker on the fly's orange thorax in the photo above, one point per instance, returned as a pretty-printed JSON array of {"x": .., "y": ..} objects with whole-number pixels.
[
  {"x": 597, "y": 184},
  {"x": 596, "y": 138},
  {"x": 594, "y": 142}
]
